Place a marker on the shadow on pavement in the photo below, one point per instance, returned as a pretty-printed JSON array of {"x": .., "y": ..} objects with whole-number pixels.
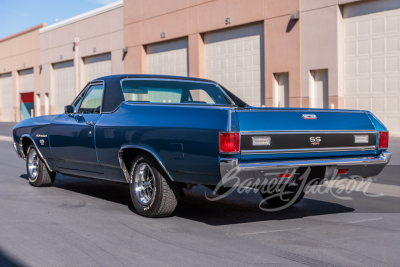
[
  {"x": 8, "y": 261},
  {"x": 194, "y": 206},
  {"x": 243, "y": 208}
]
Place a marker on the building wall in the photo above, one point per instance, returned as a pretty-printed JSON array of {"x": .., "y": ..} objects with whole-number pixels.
[
  {"x": 18, "y": 52},
  {"x": 322, "y": 47},
  {"x": 145, "y": 20},
  {"x": 293, "y": 47},
  {"x": 97, "y": 34}
]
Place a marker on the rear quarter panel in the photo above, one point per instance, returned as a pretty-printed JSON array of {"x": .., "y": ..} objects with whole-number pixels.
[{"x": 156, "y": 127}]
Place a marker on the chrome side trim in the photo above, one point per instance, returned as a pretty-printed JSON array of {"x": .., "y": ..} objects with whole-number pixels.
[
  {"x": 308, "y": 132},
  {"x": 229, "y": 120},
  {"x": 376, "y": 118},
  {"x": 37, "y": 149},
  {"x": 125, "y": 170},
  {"x": 307, "y": 150}
]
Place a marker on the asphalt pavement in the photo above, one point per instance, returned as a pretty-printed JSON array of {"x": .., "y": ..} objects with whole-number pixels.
[{"x": 80, "y": 222}]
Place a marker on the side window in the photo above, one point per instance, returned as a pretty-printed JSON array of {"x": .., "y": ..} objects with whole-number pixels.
[{"x": 91, "y": 103}]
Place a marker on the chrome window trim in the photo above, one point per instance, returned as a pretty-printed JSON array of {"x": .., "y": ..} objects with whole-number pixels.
[
  {"x": 86, "y": 89},
  {"x": 178, "y": 80},
  {"x": 307, "y": 150},
  {"x": 194, "y": 105}
]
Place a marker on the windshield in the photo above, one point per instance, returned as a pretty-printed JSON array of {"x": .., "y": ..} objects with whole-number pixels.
[{"x": 173, "y": 92}]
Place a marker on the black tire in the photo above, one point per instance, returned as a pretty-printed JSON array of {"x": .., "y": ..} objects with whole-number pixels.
[
  {"x": 164, "y": 193},
  {"x": 42, "y": 177},
  {"x": 278, "y": 201}
]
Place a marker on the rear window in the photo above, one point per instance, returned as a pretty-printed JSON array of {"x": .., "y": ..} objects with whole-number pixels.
[{"x": 173, "y": 92}]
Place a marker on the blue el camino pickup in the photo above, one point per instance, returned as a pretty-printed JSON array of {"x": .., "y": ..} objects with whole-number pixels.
[{"x": 160, "y": 134}]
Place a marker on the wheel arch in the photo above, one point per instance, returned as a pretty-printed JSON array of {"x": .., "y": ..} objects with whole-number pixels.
[
  {"x": 24, "y": 143},
  {"x": 128, "y": 153}
]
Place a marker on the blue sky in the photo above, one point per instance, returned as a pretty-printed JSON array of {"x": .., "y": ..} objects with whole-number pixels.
[{"x": 18, "y": 15}]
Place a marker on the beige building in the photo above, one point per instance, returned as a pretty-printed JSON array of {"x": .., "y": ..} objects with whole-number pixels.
[
  {"x": 19, "y": 73},
  {"x": 279, "y": 53},
  {"x": 78, "y": 50}
]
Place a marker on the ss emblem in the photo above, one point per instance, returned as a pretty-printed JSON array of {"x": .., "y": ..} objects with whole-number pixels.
[{"x": 315, "y": 139}]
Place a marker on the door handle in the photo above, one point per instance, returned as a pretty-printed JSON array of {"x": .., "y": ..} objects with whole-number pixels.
[{"x": 90, "y": 123}]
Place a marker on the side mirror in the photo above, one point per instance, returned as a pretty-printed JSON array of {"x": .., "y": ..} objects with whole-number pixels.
[{"x": 70, "y": 110}]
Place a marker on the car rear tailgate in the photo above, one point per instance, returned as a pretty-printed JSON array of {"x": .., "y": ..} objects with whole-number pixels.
[{"x": 296, "y": 133}]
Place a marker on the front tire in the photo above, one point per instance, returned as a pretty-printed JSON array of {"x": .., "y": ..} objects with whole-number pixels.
[
  {"x": 152, "y": 194},
  {"x": 38, "y": 174}
]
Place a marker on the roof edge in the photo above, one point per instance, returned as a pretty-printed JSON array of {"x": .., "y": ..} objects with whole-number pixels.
[
  {"x": 83, "y": 16},
  {"x": 41, "y": 25}
]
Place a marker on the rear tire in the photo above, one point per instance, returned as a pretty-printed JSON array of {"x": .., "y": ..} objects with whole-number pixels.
[
  {"x": 152, "y": 193},
  {"x": 38, "y": 174}
]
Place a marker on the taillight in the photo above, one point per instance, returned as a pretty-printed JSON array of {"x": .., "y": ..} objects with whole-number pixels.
[
  {"x": 383, "y": 138},
  {"x": 229, "y": 142}
]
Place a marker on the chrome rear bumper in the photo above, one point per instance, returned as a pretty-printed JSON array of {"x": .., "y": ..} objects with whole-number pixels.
[{"x": 233, "y": 172}]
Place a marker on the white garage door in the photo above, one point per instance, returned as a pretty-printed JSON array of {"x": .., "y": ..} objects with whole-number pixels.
[
  {"x": 371, "y": 59},
  {"x": 26, "y": 81},
  {"x": 233, "y": 58},
  {"x": 168, "y": 58},
  {"x": 97, "y": 66},
  {"x": 6, "y": 97},
  {"x": 64, "y": 85}
]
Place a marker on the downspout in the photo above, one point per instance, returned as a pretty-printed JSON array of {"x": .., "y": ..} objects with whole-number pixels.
[{"x": 76, "y": 65}]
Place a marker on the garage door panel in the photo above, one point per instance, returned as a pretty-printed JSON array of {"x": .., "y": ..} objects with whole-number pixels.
[
  {"x": 168, "y": 58},
  {"x": 26, "y": 81},
  {"x": 372, "y": 59},
  {"x": 392, "y": 84},
  {"x": 392, "y": 23},
  {"x": 97, "y": 66},
  {"x": 64, "y": 85},
  {"x": 6, "y": 97},
  {"x": 392, "y": 123},
  {"x": 233, "y": 58}
]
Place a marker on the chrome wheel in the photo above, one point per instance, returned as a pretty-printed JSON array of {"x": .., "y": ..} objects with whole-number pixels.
[
  {"x": 144, "y": 183},
  {"x": 33, "y": 164}
]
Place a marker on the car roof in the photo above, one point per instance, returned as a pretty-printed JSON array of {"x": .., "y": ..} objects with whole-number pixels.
[
  {"x": 113, "y": 96},
  {"x": 118, "y": 77}
]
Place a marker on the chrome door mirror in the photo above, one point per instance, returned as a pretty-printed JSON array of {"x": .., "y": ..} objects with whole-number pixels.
[{"x": 70, "y": 110}]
